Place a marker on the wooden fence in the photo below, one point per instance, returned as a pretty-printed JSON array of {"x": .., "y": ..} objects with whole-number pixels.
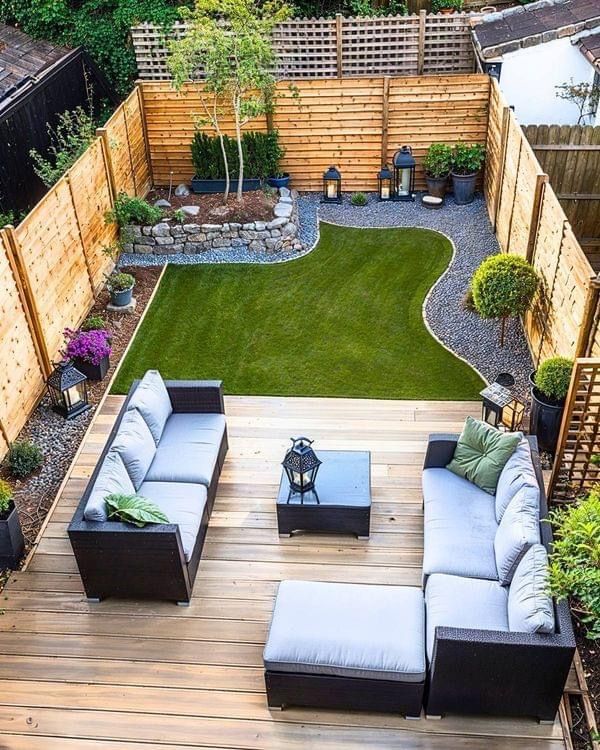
[
  {"x": 356, "y": 124},
  {"x": 529, "y": 221},
  {"x": 337, "y": 47},
  {"x": 570, "y": 155},
  {"x": 52, "y": 264}
]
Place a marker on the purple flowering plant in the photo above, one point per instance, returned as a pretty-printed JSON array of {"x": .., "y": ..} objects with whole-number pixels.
[{"x": 90, "y": 346}]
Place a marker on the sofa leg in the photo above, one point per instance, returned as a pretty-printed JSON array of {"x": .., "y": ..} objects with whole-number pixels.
[
  {"x": 413, "y": 718},
  {"x": 183, "y": 604},
  {"x": 363, "y": 538},
  {"x": 93, "y": 599},
  {"x": 285, "y": 536},
  {"x": 433, "y": 717},
  {"x": 547, "y": 722},
  {"x": 275, "y": 708}
]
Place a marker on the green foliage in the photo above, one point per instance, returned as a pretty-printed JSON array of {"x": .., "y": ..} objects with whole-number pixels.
[
  {"x": 595, "y": 459},
  {"x": 575, "y": 558},
  {"x": 119, "y": 282},
  {"x": 132, "y": 210},
  {"x": 359, "y": 199},
  {"x": 72, "y": 135},
  {"x": 134, "y": 509},
  {"x": 503, "y": 286},
  {"x": 94, "y": 323},
  {"x": 553, "y": 377},
  {"x": 262, "y": 155},
  {"x": 438, "y": 5},
  {"x": 24, "y": 458},
  {"x": 438, "y": 160},
  {"x": 370, "y": 8},
  {"x": 6, "y": 217},
  {"x": 179, "y": 215},
  {"x": 584, "y": 95},
  {"x": 6, "y": 495},
  {"x": 467, "y": 158},
  {"x": 328, "y": 8}
]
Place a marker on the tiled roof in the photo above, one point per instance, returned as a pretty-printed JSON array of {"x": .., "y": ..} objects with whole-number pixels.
[
  {"x": 536, "y": 23},
  {"x": 22, "y": 58},
  {"x": 590, "y": 48}
]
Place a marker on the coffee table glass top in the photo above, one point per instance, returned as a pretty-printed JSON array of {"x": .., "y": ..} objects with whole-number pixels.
[{"x": 344, "y": 480}]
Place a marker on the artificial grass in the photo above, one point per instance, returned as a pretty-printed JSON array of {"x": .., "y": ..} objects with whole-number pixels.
[{"x": 344, "y": 320}]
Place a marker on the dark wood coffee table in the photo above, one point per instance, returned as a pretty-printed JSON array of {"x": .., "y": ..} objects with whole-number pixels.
[{"x": 339, "y": 503}]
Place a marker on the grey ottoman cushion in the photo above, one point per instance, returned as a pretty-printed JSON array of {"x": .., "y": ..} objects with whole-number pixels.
[
  {"x": 135, "y": 444},
  {"x": 455, "y": 602},
  {"x": 151, "y": 399},
  {"x": 530, "y": 608},
  {"x": 193, "y": 428},
  {"x": 183, "y": 504},
  {"x": 348, "y": 630},
  {"x": 518, "y": 530},
  {"x": 183, "y": 463},
  {"x": 460, "y": 526},
  {"x": 112, "y": 479},
  {"x": 517, "y": 472}
]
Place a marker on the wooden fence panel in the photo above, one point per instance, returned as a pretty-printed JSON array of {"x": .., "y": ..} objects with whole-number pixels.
[
  {"x": 509, "y": 183},
  {"x": 117, "y": 137},
  {"x": 524, "y": 199},
  {"x": 136, "y": 140},
  {"x": 494, "y": 152}
]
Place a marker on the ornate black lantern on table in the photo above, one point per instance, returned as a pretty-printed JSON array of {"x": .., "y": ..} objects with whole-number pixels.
[
  {"x": 332, "y": 186},
  {"x": 68, "y": 390},
  {"x": 301, "y": 465},
  {"x": 385, "y": 180},
  {"x": 404, "y": 175},
  {"x": 499, "y": 407}
]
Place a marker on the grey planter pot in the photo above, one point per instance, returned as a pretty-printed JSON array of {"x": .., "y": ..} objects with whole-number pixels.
[
  {"x": 436, "y": 186},
  {"x": 120, "y": 299},
  {"x": 464, "y": 188},
  {"x": 11, "y": 541},
  {"x": 545, "y": 420}
]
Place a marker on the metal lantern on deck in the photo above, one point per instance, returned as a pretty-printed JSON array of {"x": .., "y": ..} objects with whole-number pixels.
[
  {"x": 500, "y": 408},
  {"x": 385, "y": 179},
  {"x": 301, "y": 465},
  {"x": 332, "y": 186},
  {"x": 68, "y": 390},
  {"x": 404, "y": 174}
]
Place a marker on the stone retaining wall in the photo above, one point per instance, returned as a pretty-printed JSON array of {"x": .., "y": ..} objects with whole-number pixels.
[{"x": 171, "y": 236}]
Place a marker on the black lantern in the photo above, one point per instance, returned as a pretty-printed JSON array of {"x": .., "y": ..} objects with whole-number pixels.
[
  {"x": 301, "y": 465},
  {"x": 332, "y": 186},
  {"x": 404, "y": 174},
  {"x": 500, "y": 408},
  {"x": 385, "y": 178},
  {"x": 68, "y": 390}
]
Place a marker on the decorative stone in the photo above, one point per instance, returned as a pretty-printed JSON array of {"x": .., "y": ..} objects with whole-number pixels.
[
  {"x": 289, "y": 230},
  {"x": 248, "y": 226},
  {"x": 191, "y": 210},
  {"x": 211, "y": 227},
  {"x": 283, "y": 210},
  {"x": 277, "y": 223},
  {"x": 161, "y": 230},
  {"x": 285, "y": 199},
  {"x": 430, "y": 201},
  {"x": 147, "y": 231},
  {"x": 131, "y": 230},
  {"x": 177, "y": 231},
  {"x": 124, "y": 309},
  {"x": 271, "y": 244},
  {"x": 145, "y": 249},
  {"x": 162, "y": 203},
  {"x": 145, "y": 241},
  {"x": 191, "y": 228},
  {"x": 164, "y": 240},
  {"x": 199, "y": 237},
  {"x": 255, "y": 245},
  {"x": 182, "y": 191},
  {"x": 220, "y": 243},
  {"x": 260, "y": 226},
  {"x": 275, "y": 233},
  {"x": 284, "y": 192},
  {"x": 234, "y": 227},
  {"x": 177, "y": 247}
]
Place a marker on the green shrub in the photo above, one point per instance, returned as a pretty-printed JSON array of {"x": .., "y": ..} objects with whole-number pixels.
[
  {"x": 262, "y": 155},
  {"x": 6, "y": 495},
  {"x": 94, "y": 323},
  {"x": 6, "y": 217},
  {"x": 358, "y": 199},
  {"x": 132, "y": 210},
  {"x": 467, "y": 158},
  {"x": 119, "y": 282},
  {"x": 438, "y": 5},
  {"x": 575, "y": 558},
  {"x": 24, "y": 458},
  {"x": 370, "y": 8},
  {"x": 134, "y": 509},
  {"x": 438, "y": 160},
  {"x": 503, "y": 286},
  {"x": 554, "y": 376}
]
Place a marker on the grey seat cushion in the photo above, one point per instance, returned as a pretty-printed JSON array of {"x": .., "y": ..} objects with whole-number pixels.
[
  {"x": 183, "y": 504},
  {"x": 185, "y": 462},
  {"x": 193, "y": 428},
  {"x": 135, "y": 444},
  {"x": 517, "y": 472},
  {"x": 348, "y": 630},
  {"x": 460, "y": 526},
  {"x": 455, "y": 602},
  {"x": 152, "y": 400},
  {"x": 518, "y": 530},
  {"x": 112, "y": 479},
  {"x": 530, "y": 607}
]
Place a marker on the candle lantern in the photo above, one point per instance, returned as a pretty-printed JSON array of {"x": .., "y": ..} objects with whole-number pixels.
[
  {"x": 301, "y": 465},
  {"x": 68, "y": 390},
  {"x": 500, "y": 408},
  {"x": 404, "y": 174},
  {"x": 332, "y": 186},
  {"x": 385, "y": 179}
]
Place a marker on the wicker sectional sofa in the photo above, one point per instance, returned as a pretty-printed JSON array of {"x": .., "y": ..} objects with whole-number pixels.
[{"x": 168, "y": 444}]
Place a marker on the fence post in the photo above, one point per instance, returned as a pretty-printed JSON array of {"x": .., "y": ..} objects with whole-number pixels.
[
  {"x": 385, "y": 116},
  {"x": 131, "y": 164},
  {"x": 536, "y": 213},
  {"x": 17, "y": 264},
  {"x": 140, "y": 90},
  {"x": 338, "y": 44},
  {"x": 103, "y": 134},
  {"x": 503, "y": 147},
  {"x": 421, "y": 50},
  {"x": 590, "y": 309}
]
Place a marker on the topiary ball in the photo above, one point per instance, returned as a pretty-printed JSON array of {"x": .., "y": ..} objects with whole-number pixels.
[
  {"x": 24, "y": 458},
  {"x": 553, "y": 377},
  {"x": 503, "y": 286}
]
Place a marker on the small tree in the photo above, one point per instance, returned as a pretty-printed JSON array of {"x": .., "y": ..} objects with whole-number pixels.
[
  {"x": 585, "y": 96},
  {"x": 503, "y": 286},
  {"x": 230, "y": 43}
]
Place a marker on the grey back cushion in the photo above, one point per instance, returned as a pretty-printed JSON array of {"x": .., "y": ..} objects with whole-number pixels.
[
  {"x": 518, "y": 530},
  {"x": 530, "y": 608},
  {"x": 112, "y": 479},
  {"x": 135, "y": 444},
  {"x": 517, "y": 472},
  {"x": 151, "y": 399}
]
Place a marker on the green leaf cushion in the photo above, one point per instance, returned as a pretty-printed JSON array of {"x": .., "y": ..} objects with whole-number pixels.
[
  {"x": 134, "y": 509},
  {"x": 481, "y": 453}
]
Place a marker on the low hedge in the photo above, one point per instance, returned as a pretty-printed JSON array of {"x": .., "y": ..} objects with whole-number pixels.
[{"x": 262, "y": 155}]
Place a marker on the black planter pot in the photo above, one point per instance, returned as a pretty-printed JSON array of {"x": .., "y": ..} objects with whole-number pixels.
[
  {"x": 436, "y": 186},
  {"x": 218, "y": 186},
  {"x": 279, "y": 182},
  {"x": 545, "y": 420},
  {"x": 93, "y": 372},
  {"x": 463, "y": 186},
  {"x": 11, "y": 540}
]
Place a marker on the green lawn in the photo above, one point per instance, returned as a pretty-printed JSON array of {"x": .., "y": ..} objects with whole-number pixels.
[{"x": 345, "y": 320}]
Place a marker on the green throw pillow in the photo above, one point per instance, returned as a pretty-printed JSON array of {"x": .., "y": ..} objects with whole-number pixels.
[{"x": 481, "y": 453}]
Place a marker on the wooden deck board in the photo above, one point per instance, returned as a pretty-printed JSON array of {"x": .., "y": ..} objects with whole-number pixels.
[{"x": 125, "y": 675}]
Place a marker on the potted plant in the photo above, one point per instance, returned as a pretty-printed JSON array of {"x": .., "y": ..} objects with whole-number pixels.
[
  {"x": 11, "y": 536},
  {"x": 90, "y": 351},
  {"x": 279, "y": 180},
  {"x": 550, "y": 387},
  {"x": 437, "y": 165},
  {"x": 446, "y": 6},
  {"x": 210, "y": 173},
  {"x": 120, "y": 285},
  {"x": 467, "y": 160}
]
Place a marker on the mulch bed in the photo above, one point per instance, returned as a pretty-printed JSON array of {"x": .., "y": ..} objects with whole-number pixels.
[
  {"x": 256, "y": 205},
  {"x": 58, "y": 438}
]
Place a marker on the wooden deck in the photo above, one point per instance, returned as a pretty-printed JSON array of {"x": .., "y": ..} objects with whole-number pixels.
[{"x": 144, "y": 676}]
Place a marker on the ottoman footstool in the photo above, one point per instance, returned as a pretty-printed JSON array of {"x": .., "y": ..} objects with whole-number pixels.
[{"x": 347, "y": 646}]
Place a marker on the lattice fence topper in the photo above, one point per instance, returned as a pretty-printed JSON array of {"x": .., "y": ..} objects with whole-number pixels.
[{"x": 336, "y": 47}]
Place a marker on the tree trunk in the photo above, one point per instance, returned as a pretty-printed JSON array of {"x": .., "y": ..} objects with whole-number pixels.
[
  {"x": 227, "y": 185},
  {"x": 238, "y": 135},
  {"x": 502, "y": 330}
]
